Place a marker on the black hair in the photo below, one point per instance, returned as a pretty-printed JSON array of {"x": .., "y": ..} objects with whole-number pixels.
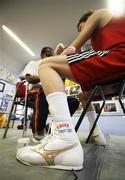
[
  {"x": 43, "y": 51},
  {"x": 84, "y": 17}
]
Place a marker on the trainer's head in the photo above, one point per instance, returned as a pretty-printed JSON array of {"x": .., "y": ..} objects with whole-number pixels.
[
  {"x": 47, "y": 52},
  {"x": 83, "y": 19}
]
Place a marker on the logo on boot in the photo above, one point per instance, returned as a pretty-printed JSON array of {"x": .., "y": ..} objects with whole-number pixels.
[{"x": 62, "y": 125}]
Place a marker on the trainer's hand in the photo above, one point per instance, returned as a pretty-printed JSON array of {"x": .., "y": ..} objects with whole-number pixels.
[
  {"x": 69, "y": 50},
  {"x": 59, "y": 49}
]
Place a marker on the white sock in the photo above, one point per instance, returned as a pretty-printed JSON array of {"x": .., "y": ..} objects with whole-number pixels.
[
  {"x": 91, "y": 118},
  {"x": 58, "y": 105},
  {"x": 59, "y": 111}
]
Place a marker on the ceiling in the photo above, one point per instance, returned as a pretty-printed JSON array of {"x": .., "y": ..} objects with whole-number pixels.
[{"x": 38, "y": 23}]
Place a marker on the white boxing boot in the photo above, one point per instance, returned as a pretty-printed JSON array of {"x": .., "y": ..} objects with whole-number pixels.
[{"x": 60, "y": 150}]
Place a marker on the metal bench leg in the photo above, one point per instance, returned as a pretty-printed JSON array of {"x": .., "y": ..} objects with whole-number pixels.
[
  {"x": 85, "y": 108},
  {"x": 25, "y": 114},
  {"x": 120, "y": 96},
  {"x": 94, "y": 125},
  {"x": 99, "y": 113}
]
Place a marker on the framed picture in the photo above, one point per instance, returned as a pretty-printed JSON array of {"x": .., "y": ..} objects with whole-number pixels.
[
  {"x": 111, "y": 107},
  {"x": 2, "y": 86}
]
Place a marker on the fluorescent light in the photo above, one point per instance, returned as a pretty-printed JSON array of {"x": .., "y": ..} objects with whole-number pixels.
[
  {"x": 15, "y": 37},
  {"x": 116, "y": 6}
]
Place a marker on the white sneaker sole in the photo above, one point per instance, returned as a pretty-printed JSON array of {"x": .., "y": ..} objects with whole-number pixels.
[{"x": 68, "y": 168}]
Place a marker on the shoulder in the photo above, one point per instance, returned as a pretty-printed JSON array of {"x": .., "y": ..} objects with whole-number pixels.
[
  {"x": 32, "y": 62},
  {"x": 99, "y": 15},
  {"x": 36, "y": 61},
  {"x": 102, "y": 16},
  {"x": 29, "y": 63},
  {"x": 101, "y": 12},
  {"x": 39, "y": 61}
]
